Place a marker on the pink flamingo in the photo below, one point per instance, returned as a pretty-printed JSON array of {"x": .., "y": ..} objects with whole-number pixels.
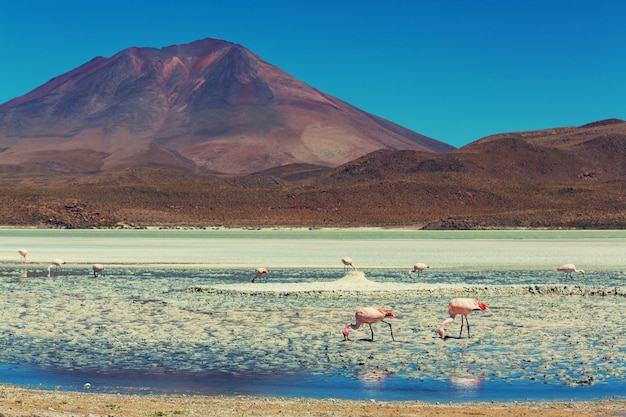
[
  {"x": 368, "y": 315},
  {"x": 56, "y": 263},
  {"x": 347, "y": 262},
  {"x": 464, "y": 307},
  {"x": 569, "y": 269},
  {"x": 97, "y": 269},
  {"x": 418, "y": 267},
  {"x": 23, "y": 254},
  {"x": 259, "y": 272}
]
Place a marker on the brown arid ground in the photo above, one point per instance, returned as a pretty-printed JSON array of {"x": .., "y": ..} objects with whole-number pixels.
[
  {"x": 557, "y": 178},
  {"x": 17, "y": 402},
  {"x": 162, "y": 198}
]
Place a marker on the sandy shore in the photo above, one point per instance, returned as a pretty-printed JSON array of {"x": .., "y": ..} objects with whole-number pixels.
[{"x": 18, "y": 402}]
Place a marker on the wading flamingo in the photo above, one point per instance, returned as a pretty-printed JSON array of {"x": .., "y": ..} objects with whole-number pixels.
[
  {"x": 23, "y": 254},
  {"x": 260, "y": 272},
  {"x": 346, "y": 263},
  {"x": 97, "y": 269},
  {"x": 418, "y": 267},
  {"x": 56, "y": 263},
  {"x": 368, "y": 315},
  {"x": 569, "y": 269},
  {"x": 464, "y": 307}
]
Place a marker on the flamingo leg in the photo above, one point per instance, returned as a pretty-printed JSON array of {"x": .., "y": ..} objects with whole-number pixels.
[
  {"x": 372, "y": 331},
  {"x": 461, "y": 332},
  {"x": 390, "y": 329}
]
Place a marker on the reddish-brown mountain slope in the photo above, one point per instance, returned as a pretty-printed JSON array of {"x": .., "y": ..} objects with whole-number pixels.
[
  {"x": 509, "y": 181},
  {"x": 595, "y": 151},
  {"x": 205, "y": 106}
]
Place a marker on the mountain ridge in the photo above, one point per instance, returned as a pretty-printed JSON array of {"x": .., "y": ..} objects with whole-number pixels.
[
  {"x": 191, "y": 136},
  {"x": 503, "y": 183},
  {"x": 210, "y": 103}
]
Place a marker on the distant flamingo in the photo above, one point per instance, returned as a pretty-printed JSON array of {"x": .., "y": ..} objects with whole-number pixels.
[
  {"x": 418, "y": 267},
  {"x": 368, "y": 315},
  {"x": 23, "y": 254},
  {"x": 97, "y": 269},
  {"x": 464, "y": 307},
  {"x": 569, "y": 269},
  {"x": 346, "y": 263},
  {"x": 259, "y": 272},
  {"x": 56, "y": 263}
]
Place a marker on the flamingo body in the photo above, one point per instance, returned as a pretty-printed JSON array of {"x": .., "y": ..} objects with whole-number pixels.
[
  {"x": 570, "y": 269},
  {"x": 56, "y": 263},
  {"x": 462, "y": 307},
  {"x": 259, "y": 272},
  {"x": 346, "y": 263},
  {"x": 418, "y": 267},
  {"x": 23, "y": 254},
  {"x": 368, "y": 315},
  {"x": 97, "y": 269}
]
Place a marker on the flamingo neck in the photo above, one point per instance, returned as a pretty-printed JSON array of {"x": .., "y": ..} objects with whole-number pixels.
[
  {"x": 442, "y": 326},
  {"x": 347, "y": 327}
]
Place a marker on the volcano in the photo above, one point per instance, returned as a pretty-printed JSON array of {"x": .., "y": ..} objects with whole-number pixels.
[{"x": 205, "y": 106}]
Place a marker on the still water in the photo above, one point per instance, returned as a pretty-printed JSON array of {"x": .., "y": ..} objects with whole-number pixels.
[
  {"x": 139, "y": 328},
  {"x": 303, "y": 248}
]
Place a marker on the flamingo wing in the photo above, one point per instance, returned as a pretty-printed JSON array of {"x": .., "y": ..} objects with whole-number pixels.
[
  {"x": 371, "y": 315},
  {"x": 465, "y": 306}
]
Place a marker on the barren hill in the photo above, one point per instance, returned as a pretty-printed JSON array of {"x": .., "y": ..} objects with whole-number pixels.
[
  {"x": 592, "y": 152},
  {"x": 207, "y": 134},
  {"x": 595, "y": 151},
  {"x": 508, "y": 181},
  {"x": 206, "y": 106}
]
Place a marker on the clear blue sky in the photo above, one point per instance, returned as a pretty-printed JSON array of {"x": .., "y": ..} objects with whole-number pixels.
[{"x": 452, "y": 70}]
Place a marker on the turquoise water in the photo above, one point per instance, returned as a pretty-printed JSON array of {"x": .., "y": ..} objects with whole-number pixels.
[{"x": 139, "y": 329}]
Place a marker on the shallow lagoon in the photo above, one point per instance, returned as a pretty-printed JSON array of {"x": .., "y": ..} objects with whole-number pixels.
[{"x": 140, "y": 328}]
